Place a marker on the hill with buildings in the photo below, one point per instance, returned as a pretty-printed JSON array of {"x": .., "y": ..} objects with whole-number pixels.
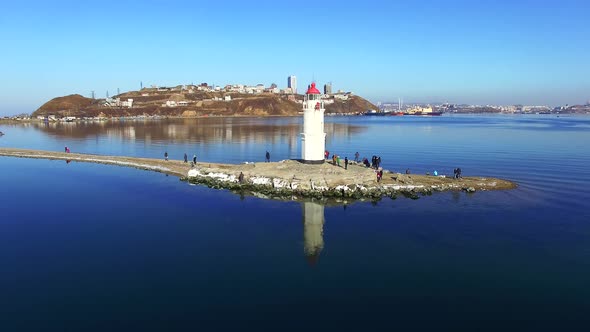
[{"x": 193, "y": 101}]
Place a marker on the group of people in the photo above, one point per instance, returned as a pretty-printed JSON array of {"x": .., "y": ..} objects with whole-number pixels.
[
  {"x": 336, "y": 159},
  {"x": 66, "y": 149},
  {"x": 194, "y": 162},
  {"x": 376, "y": 162},
  {"x": 457, "y": 173}
]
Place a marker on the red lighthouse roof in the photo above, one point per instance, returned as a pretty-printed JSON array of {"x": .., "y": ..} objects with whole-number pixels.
[{"x": 313, "y": 90}]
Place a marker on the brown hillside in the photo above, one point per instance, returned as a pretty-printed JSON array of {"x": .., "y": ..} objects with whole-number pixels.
[
  {"x": 353, "y": 105},
  {"x": 63, "y": 105},
  {"x": 264, "y": 106}
]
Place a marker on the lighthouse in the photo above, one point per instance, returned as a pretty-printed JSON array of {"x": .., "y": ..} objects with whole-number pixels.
[{"x": 313, "y": 138}]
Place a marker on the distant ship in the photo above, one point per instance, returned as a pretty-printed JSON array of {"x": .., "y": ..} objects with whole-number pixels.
[
  {"x": 375, "y": 113},
  {"x": 422, "y": 111},
  {"x": 396, "y": 113}
]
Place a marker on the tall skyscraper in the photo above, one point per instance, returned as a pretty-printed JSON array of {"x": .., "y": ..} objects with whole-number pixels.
[
  {"x": 292, "y": 83},
  {"x": 328, "y": 88}
]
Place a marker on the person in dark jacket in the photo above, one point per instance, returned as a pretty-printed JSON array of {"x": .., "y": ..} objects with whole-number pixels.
[
  {"x": 345, "y": 162},
  {"x": 185, "y": 158},
  {"x": 267, "y": 157}
]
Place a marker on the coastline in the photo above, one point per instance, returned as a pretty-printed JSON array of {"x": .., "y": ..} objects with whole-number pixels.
[
  {"x": 164, "y": 117},
  {"x": 13, "y": 121},
  {"x": 288, "y": 179}
]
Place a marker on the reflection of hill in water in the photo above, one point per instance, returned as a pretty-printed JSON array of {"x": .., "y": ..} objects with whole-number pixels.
[{"x": 234, "y": 130}]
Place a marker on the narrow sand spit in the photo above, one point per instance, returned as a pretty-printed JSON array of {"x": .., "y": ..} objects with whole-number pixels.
[{"x": 287, "y": 177}]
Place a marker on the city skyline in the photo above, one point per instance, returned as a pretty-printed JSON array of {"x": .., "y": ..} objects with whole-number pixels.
[{"x": 501, "y": 53}]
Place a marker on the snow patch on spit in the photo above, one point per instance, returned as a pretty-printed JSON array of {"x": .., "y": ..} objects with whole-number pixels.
[
  {"x": 194, "y": 173},
  {"x": 279, "y": 183},
  {"x": 223, "y": 177},
  {"x": 260, "y": 180},
  {"x": 218, "y": 176},
  {"x": 407, "y": 187},
  {"x": 361, "y": 187}
]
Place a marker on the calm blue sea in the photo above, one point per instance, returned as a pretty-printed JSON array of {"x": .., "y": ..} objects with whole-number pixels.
[{"x": 88, "y": 247}]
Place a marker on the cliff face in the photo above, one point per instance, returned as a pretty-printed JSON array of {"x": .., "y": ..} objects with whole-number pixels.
[{"x": 166, "y": 103}]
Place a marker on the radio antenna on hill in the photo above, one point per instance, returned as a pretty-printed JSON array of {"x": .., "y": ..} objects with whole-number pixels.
[
  {"x": 140, "y": 85},
  {"x": 118, "y": 93},
  {"x": 92, "y": 94},
  {"x": 107, "y": 94}
]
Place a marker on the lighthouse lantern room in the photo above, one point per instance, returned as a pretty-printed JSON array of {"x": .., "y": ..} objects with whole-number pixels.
[{"x": 313, "y": 138}]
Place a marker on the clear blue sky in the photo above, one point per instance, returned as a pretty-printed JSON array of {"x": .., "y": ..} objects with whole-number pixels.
[{"x": 501, "y": 52}]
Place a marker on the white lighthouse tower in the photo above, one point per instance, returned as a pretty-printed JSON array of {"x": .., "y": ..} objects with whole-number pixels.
[{"x": 313, "y": 138}]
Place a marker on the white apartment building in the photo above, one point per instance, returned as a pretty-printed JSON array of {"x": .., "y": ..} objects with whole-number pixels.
[{"x": 292, "y": 83}]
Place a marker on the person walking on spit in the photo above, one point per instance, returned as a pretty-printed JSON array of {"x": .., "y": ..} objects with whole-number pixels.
[
  {"x": 241, "y": 177},
  {"x": 66, "y": 149},
  {"x": 166, "y": 155},
  {"x": 267, "y": 157},
  {"x": 195, "y": 159},
  {"x": 185, "y": 158},
  {"x": 356, "y": 157},
  {"x": 379, "y": 175},
  {"x": 345, "y": 162}
]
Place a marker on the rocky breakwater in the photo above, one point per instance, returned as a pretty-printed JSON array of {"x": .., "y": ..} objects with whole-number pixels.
[{"x": 290, "y": 179}]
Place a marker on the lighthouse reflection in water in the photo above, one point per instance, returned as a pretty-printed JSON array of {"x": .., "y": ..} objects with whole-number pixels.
[{"x": 313, "y": 230}]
